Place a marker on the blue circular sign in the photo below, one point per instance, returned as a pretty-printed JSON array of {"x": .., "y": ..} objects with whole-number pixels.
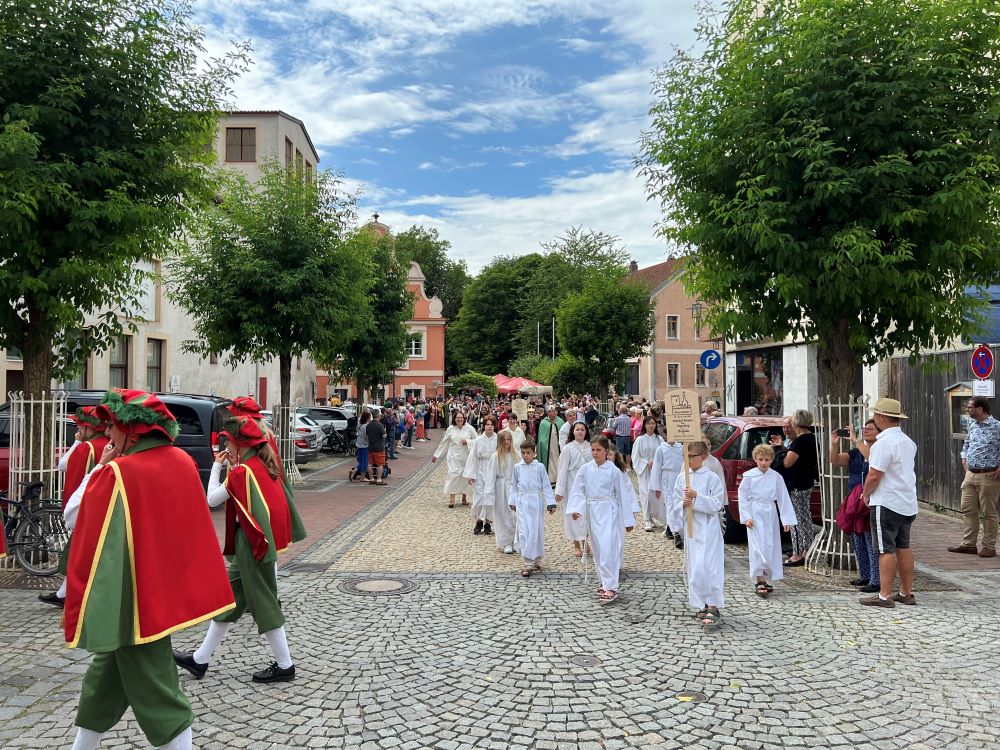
[
  {"x": 710, "y": 359},
  {"x": 982, "y": 362}
]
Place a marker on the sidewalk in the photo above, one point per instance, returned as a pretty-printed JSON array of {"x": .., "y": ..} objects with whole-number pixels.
[{"x": 933, "y": 534}]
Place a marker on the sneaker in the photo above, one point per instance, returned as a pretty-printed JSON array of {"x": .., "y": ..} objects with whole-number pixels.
[
  {"x": 648, "y": 526},
  {"x": 274, "y": 673},
  {"x": 871, "y": 588},
  {"x": 478, "y": 529},
  {"x": 877, "y": 601},
  {"x": 53, "y": 599},
  {"x": 487, "y": 528},
  {"x": 667, "y": 533},
  {"x": 905, "y": 598},
  {"x": 679, "y": 542},
  {"x": 186, "y": 661},
  {"x": 859, "y": 582},
  {"x": 508, "y": 550}
]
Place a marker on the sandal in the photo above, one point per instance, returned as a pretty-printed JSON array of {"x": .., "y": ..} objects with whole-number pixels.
[
  {"x": 768, "y": 587},
  {"x": 761, "y": 589},
  {"x": 700, "y": 614},
  {"x": 526, "y": 572},
  {"x": 451, "y": 505},
  {"x": 578, "y": 553},
  {"x": 711, "y": 618},
  {"x": 609, "y": 597}
]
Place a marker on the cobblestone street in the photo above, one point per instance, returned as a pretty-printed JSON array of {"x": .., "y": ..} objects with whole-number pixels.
[{"x": 443, "y": 645}]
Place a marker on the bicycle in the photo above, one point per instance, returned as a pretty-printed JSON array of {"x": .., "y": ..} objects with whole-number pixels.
[{"x": 35, "y": 529}]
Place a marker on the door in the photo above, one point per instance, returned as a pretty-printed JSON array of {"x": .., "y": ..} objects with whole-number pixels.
[{"x": 262, "y": 392}]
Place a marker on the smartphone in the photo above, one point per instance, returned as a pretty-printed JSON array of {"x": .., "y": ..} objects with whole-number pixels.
[
  {"x": 223, "y": 442},
  {"x": 843, "y": 432}
]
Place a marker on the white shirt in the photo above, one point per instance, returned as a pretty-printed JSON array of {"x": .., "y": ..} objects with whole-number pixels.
[{"x": 894, "y": 454}]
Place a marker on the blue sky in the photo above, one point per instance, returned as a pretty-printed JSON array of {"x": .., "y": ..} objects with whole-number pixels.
[{"x": 501, "y": 124}]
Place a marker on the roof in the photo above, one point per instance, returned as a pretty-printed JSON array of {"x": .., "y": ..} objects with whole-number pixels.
[
  {"x": 659, "y": 275},
  {"x": 280, "y": 113}
]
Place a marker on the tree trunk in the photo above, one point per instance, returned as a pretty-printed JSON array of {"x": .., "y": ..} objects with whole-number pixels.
[
  {"x": 285, "y": 377},
  {"x": 837, "y": 363},
  {"x": 37, "y": 371},
  {"x": 360, "y": 385}
]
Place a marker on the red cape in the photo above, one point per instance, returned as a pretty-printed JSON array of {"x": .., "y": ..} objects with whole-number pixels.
[
  {"x": 81, "y": 461},
  {"x": 259, "y": 503},
  {"x": 143, "y": 523}
]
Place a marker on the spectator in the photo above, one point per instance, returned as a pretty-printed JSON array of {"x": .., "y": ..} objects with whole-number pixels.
[
  {"x": 409, "y": 424},
  {"x": 856, "y": 461},
  {"x": 623, "y": 434},
  {"x": 750, "y": 411},
  {"x": 981, "y": 485},
  {"x": 377, "y": 441},
  {"x": 571, "y": 419},
  {"x": 800, "y": 469},
  {"x": 891, "y": 489}
]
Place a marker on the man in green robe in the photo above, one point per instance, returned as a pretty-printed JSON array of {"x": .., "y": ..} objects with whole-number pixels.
[{"x": 548, "y": 442}]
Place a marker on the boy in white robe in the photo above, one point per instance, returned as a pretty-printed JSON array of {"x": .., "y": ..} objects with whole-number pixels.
[
  {"x": 480, "y": 451},
  {"x": 530, "y": 496},
  {"x": 499, "y": 473},
  {"x": 603, "y": 496},
  {"x": 573, "y": 456},
  {"x": 667, "y": 466},
  {"x": 654, "y": 511},
  {"x": 760, "y": 489},
  {"x": 703, "y": 549}
]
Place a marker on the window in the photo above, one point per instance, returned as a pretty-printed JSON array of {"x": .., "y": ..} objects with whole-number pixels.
[
  {"x": 154, "y": 365},
  {"x": 241, "y": 144},
  {"x": 188, "y": 421},
  {"x": 13, "y": 354},
  {"x": 673, "y": 326},
  {"x": 700, "y": 376},
  {"x": 416, "y": 345},
  {"x": 118, "y": 357},
  {"x": 673, "y": 375},
  {"x": 289, "y": 152},
  {"x": 309, "y": 172}
]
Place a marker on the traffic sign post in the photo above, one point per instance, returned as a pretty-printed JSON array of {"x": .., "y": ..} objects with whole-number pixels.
[
  {"x": 710, "y": 359},
  {"x": 982, "y": 362}
]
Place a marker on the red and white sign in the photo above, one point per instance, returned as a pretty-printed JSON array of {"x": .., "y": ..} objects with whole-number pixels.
[{"x": 982, "y": 362}]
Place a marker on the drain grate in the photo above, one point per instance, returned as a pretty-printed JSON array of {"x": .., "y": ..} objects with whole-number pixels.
[
  {"x": 305, "y": 568},
  {"x": 687, "y": 696},
  {"x": 381, "y": 586},
  {"x": 583, "y": 660}
]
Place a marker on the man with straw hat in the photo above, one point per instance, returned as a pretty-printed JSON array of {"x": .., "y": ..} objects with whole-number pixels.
[
  {"x": 144, "y": 563},
  {"x": 891, "y": 492}
]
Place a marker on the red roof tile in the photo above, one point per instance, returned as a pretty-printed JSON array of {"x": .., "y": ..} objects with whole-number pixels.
[{"x": 657, "y": 275}]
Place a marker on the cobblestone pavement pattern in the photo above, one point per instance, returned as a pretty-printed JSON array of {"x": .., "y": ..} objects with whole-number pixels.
[{"x": 477, "y": 657}]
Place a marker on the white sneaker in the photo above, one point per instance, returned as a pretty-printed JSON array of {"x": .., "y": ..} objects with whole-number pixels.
[
  {"x": 648, "y": 526},
  {"x": 508, "y": 550}
]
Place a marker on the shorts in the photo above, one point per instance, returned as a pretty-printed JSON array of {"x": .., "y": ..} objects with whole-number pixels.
[
  {"x": 890, "y": 530},
  {"x": 376, "y": 458},
  {"x": 624, "y": 444}
]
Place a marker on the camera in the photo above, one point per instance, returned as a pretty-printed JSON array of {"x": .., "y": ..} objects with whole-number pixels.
[{"x": 843, "y": 432}]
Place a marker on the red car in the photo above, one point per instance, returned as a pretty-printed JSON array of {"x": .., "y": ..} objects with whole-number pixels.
[{"x": 733, "y": 440}]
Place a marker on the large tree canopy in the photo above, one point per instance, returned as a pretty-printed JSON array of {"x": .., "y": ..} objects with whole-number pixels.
[
  {"x": 834, "y": 166},
  {"x": 276, "y": 269},
  {"x": 105, "y": 113}
]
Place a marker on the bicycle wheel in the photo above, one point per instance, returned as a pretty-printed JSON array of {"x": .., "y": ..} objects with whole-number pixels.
[{"x": 39, "y": 540}]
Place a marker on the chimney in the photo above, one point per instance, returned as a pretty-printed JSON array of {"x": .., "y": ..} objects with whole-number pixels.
[{"x": 633, "y": 267}]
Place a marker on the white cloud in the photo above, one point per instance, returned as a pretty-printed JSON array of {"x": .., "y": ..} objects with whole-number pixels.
[{"x": 425, "y": 165}]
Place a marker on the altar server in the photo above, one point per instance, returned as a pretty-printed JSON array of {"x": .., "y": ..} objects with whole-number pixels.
[
  {"x": 499, "y": 473},
  {"x": 763, "y": 499},
  {"x": 475, "y": 473},
  {"x": 573, "y": 456},
  {"x": 530, "y": 496},
  {"x": 455, "y": 445},
  {"x": 644, "y": 449},
  {"x": 667, "y": 466}
]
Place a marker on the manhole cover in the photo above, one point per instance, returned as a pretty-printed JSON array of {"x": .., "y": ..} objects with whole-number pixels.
[
  {"x": 689, "y": 697},
  {"x": 382, "y": 586},
  {"x": 586, "y": 661}
]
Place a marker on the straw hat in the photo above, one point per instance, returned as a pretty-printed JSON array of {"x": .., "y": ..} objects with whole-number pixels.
[{"x": 889, "y": 407}]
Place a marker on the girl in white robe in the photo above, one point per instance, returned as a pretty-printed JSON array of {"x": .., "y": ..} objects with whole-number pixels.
[
  {"x": 703, "y": 550},
  {"x": 667, "y": 466},
  {"x": 530, "y": 496},
  {"x": 455, "y": 444},
  {"x": 574, "y": 455},
  {"x": 514, "y": 428},
  {"x": 498, "y": 476},
  {"x": 602, "y": 495},
  {"x": 475, "y": 473},
  {"x": 644, "y": 449},
  {"x": 760, "y": 489}
]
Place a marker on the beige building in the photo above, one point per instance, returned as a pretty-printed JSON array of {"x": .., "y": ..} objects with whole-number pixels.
[
  {"x": 152, "y": 358},
  {"x": 672, "y": 360}
]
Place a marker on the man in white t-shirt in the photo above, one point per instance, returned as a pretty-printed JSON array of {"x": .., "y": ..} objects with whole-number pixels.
[{"x": 891, "y": 492}]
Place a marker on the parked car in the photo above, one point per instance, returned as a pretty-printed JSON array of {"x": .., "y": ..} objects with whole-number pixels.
[
  {"x": 733, "y": 440},
  {"x": 324, "y": 415},
  {"x": 199, "y": 417},
  {"x": 307, "y": 436}
]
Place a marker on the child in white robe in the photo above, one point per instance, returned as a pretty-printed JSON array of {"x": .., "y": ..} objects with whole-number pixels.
[
  {"x": 760, "y": 490},
  {"x": 475, "y": 473},
  {"x": 499, "y": 473},
  {"x": 667, "y": 466},
  {"x": 643, "y": 454},
  {"x": 455, "y": 445},
  {"x": 603, "y": 497},
  {"x": 514, "y": 428},
  {"x": 530, "y": 496},
  {"x": 703, "y": 549},
  {"x": 573, "y": 456}
]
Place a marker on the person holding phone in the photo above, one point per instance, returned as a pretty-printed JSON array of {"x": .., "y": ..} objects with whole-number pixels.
[{"x": 856, "y": 462}]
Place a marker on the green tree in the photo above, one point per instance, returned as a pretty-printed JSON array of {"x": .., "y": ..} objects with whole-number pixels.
[
  {"x": 834, "y": 165},
  {"x": 605, "y": 325},
  {"x": 276, "y": 269},
  {"x": 523, "y": 366},
  {"x": 105, "y": 113},
  {"x": 571, "y": 375},
  {"x": 446, "y": 278},
  {"x": 381, "y": 343},
  {"x": 474, "y": 381}
]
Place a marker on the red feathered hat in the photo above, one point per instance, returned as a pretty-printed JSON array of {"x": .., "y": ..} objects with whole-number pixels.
[
  {"x": 244, "y": 406},
  {"x": 244, "y": 432},
  {"x": 137, "y": 412}
]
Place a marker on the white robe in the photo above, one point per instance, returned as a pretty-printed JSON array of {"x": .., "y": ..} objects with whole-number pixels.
[
  {"x": 457, "y": 454},
  {"x": 475, "y": 468},
  {"x": 530, "y": 495},
  {"x": 668, "y": 464},
  {"x": 497, "y": 493},
  {"x": 759, "y": 492},
  {"x": 654, "y": 510},
  {"x": 574, "y": 455},
  {"x": 516, "y": 438},
  {"x": 603, "y": 496},
  {"x": 704, "y": 550}
]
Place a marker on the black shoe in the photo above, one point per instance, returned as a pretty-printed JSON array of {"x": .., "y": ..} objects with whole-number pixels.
[
  {"x": 53, "y": 599},
  {"x": 870, "y": 589},
  {"x": 478, "y": 528},
  {"x": 679, "y": 542},
  {"x": 186, "y": 661},
  {"x": 274, "y": 673},
  {"x": 487, "y": 528},
  {"x": 859, "y": 582}
]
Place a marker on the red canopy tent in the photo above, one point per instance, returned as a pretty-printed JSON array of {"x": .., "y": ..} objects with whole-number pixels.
[{"x": 509, "y": 386}]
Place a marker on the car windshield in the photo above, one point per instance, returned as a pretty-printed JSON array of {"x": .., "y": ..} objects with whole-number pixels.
[{"x": 308, "y": 421}]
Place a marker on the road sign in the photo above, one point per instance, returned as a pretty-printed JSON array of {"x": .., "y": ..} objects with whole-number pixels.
[
  {"x": 982, "y": 362},
  {"x": 710, "y": 359},
  {"x": 985, "y": 388}
]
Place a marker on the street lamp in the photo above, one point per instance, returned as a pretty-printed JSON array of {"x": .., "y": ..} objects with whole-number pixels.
[{"x": 696, "y": 312}]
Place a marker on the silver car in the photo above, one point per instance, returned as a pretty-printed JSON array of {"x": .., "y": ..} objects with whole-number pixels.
[{"x": 307, "y": 436}]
